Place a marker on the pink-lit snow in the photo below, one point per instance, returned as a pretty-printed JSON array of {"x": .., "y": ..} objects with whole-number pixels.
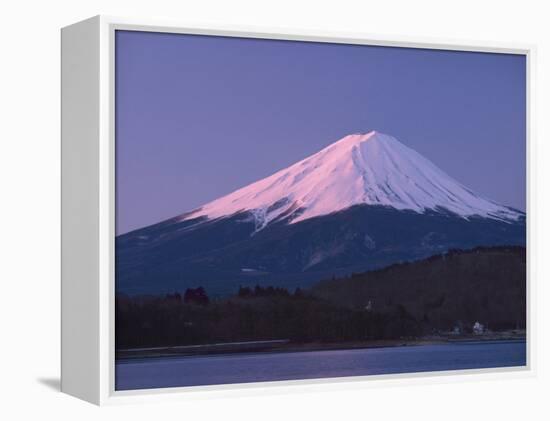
[{"x": 371, "y": 169}]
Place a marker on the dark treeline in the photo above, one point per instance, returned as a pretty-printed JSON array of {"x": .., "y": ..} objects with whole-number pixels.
[
  {"x": 457, "y": 288},
  {"x": 253, "y": 314},
  {"x": 407, "y": 300},
  {"x": 269, "y": 291}
]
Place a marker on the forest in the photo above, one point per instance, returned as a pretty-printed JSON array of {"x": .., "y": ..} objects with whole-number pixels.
[{"x": 446, "y": 292}]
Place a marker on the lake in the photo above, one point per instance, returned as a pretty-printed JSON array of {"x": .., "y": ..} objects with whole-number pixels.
[{"x": 245, "y": 368}]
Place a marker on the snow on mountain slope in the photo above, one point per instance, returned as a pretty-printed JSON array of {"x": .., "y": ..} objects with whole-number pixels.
[{"x": 371, "y": 169}]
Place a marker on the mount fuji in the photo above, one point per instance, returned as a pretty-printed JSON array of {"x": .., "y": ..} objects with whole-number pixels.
[{"x": 363, "y": 202}]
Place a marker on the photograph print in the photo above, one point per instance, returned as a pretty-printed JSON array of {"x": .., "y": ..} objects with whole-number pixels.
[{"x": 292, "y": 210}]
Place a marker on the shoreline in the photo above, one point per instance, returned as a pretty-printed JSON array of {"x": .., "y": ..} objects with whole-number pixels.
[{"x": 284, "y": 345}]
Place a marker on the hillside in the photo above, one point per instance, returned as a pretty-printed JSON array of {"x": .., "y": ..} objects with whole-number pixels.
[{"x": 459, "y": 287}]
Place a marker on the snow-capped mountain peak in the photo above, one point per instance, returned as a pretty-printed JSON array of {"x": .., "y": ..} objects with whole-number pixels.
[{"x": 370, "y": 169}]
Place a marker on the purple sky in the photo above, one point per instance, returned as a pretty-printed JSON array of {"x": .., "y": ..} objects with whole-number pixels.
[{"x": 198, "y": 117}]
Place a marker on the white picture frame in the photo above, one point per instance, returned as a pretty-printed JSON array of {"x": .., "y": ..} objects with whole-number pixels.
[{"x": 88, "y": 210}]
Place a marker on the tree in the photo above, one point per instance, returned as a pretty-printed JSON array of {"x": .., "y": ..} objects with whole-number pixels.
[
  {"x": 244, "y": 292},
  {"x": 196, "y": 296},
  {"x": 175, "y": 297}
]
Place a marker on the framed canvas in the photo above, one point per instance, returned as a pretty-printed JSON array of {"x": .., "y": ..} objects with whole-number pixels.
[{"x": 245, "y": 208}]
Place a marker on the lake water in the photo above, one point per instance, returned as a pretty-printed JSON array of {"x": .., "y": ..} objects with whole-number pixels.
[{"x": 245, "y": 368}]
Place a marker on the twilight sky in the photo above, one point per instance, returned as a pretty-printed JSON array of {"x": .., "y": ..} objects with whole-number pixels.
[{"x": 198, "y": 117}]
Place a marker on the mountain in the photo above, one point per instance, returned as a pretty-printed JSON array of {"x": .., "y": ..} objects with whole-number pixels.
[
  {"x": 363, "y": 202},
  {"x": 371, "y": 169}
]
